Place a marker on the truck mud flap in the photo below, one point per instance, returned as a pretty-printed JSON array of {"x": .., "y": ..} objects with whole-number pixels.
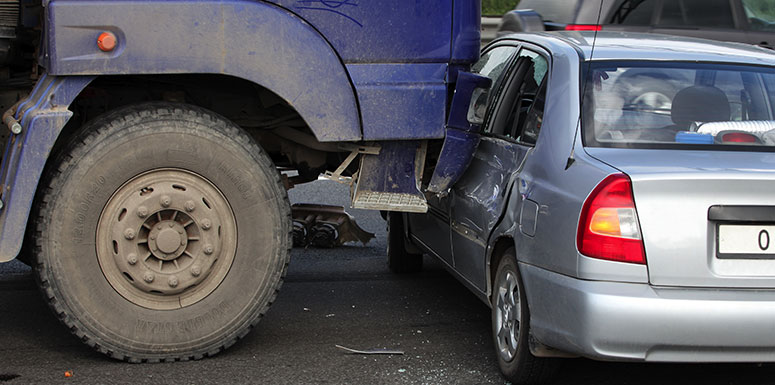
[
  {"x": 36, "y": 123},
  {"x": 390, "y": 181}
]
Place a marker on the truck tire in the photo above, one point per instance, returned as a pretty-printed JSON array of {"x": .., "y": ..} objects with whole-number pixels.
[
  {"x": 163, "y": 233},
  {"x": 511, "y": 328},
  {"x": 400, "y": 260}
]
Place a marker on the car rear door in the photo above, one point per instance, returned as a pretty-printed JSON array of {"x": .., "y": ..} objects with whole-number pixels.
[{"x": 479, "y": 198}]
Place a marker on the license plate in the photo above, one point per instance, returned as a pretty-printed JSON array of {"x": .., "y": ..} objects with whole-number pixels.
[{"x": 746, "y": 241}]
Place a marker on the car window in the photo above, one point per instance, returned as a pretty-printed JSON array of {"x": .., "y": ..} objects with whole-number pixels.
[
  {"x": 760, "y": 14},
  {"x": 493, "y": 64},
  {"x": 697, "y": 13},
  {"x": 633, "y": 12},
  {"x": 520, "y": 105},
  {"x": 658, "y": 104}
]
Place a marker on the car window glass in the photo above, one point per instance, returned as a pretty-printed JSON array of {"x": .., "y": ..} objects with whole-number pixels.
[
  {"x": 697, "y": 13},
  {"x": 519, "y": 101},
  {"x": 634, "y": 12},
  {"x": 760, "y": 14},
  {"x": 493, "y": 65},
  {"x": 732, "y": 85},
  {"x": 663, "y": 105}
]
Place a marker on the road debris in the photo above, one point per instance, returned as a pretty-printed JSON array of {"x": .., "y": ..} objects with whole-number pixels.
[
  {"x": 371, "y": 351},
  {"x": 68, "y": 373}
]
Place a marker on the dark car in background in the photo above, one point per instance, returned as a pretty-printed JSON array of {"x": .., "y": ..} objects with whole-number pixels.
[{"x": 744, "y": 21}]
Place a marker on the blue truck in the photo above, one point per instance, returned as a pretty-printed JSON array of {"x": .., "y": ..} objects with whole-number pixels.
[{"x": 144, "y": 172}]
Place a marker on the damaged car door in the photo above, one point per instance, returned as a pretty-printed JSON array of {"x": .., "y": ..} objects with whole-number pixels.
[
  {"x": 431, "y": 230},
  {"x": 511, "y": 129}
]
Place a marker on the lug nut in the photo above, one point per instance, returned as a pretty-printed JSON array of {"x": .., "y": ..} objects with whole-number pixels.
[
  {"x": 165, "y": 201},
  {"x": 196, "y": 270},
  {"x": 173, "y": 281},
  {"x": 129, "y": 234},
  {"x": 142, "y": 211},
  {"x": 190, "y": 206},
  {"x": 206, "y": 224},
  {"x": 131, "y": 258},
  {"x": 148, "y": 277},
  {"x": 208, "y": 249}
]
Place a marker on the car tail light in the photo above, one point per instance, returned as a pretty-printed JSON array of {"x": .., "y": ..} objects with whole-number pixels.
[
  {"x": 739, "y": 137},
  {"x": 583, "y": 27},
  {"x": 608, "y": 226}
]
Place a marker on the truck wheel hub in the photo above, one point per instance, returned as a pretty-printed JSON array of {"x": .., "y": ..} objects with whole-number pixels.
[{"x": 165, "y": 236}]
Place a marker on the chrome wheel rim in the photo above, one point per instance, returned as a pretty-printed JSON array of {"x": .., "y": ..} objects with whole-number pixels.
[
  {"x": 166, "y": 239},
  {"x": 507, "y": 316}
]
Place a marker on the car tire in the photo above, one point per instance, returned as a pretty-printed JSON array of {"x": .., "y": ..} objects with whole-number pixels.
[
  {"x": 136, "y": 242},
  {"x": 511, "y": 326},
  {"x": 400, "y": 260}
]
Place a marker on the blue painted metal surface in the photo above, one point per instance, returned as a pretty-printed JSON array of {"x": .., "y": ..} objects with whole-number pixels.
[
  {"x": 466, "y": 31},
  {"x": 295, "y": 48},
  {"x": 379, "y": 31},
  {"x": 42, "y": 115},
  {"x": 462, "y": 136},
  {"x": 396, "y": 169},
  {"x": 252, "y": 40},
  {"x": 401, "y": 101}
]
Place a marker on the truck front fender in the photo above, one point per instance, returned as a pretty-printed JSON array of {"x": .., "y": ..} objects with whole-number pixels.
[{"x": 253, "y": 40}]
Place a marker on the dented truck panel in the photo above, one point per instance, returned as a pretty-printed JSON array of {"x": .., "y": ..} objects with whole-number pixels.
[{"x": 42, "y": 115}]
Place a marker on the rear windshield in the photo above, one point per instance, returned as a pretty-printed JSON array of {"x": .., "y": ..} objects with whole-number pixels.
[{"x": 679, "y": 105}]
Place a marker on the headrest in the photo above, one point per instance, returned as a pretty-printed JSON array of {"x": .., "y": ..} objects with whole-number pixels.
[{"x": 700, "y": 104}]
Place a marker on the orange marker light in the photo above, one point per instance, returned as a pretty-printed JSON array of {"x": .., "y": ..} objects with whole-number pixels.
[
  {"x": 69, "y": 373},
  {"x": 605, "y": 221},
  {"x": 107, "y": 41}
]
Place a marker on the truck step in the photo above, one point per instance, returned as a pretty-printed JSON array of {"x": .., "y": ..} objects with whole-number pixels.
[
  {"x": 390, "y": 201},
  {"x": 390, "y": 180}
]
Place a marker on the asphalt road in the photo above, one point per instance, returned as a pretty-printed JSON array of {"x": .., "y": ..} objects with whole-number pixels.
[{"x": 342, "y": 296}]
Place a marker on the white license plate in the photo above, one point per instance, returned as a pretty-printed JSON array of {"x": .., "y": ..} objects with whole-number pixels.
[{"x": 746, "y": 241}]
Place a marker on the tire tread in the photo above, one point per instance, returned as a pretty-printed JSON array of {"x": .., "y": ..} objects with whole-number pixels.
[{"x": 100, "y": 129}]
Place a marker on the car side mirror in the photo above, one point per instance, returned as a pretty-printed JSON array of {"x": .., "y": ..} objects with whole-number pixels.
[{"x": 469, "y": 102}]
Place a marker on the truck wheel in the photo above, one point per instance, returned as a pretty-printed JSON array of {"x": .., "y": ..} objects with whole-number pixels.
[
  {"x": 163, "y": 232},
  {"x": 400, "y": 260},
  {"x": 511, "y": 325}
]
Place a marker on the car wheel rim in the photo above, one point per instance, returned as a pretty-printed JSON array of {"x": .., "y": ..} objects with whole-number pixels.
[
  {"x": 507, "y": 316},
  {"x": 166, "y": 239}
]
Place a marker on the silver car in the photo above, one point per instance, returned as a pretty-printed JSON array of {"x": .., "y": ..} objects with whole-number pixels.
[{"x": 620, "y": 204}]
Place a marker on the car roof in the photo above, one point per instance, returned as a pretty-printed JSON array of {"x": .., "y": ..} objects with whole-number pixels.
[{"x": 649, "y": 46}]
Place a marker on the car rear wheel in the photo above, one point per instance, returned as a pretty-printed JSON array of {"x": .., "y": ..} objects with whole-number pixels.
[
  {"x": 511, "y": 325},
  {"x": 162, "y": 233}
]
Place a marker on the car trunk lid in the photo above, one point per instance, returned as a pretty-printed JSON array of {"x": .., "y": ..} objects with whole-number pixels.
[{"x": 706, "y": 217}]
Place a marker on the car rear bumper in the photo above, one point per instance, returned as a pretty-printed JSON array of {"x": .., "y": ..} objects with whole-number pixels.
[{"x": 639, "y": 322}]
